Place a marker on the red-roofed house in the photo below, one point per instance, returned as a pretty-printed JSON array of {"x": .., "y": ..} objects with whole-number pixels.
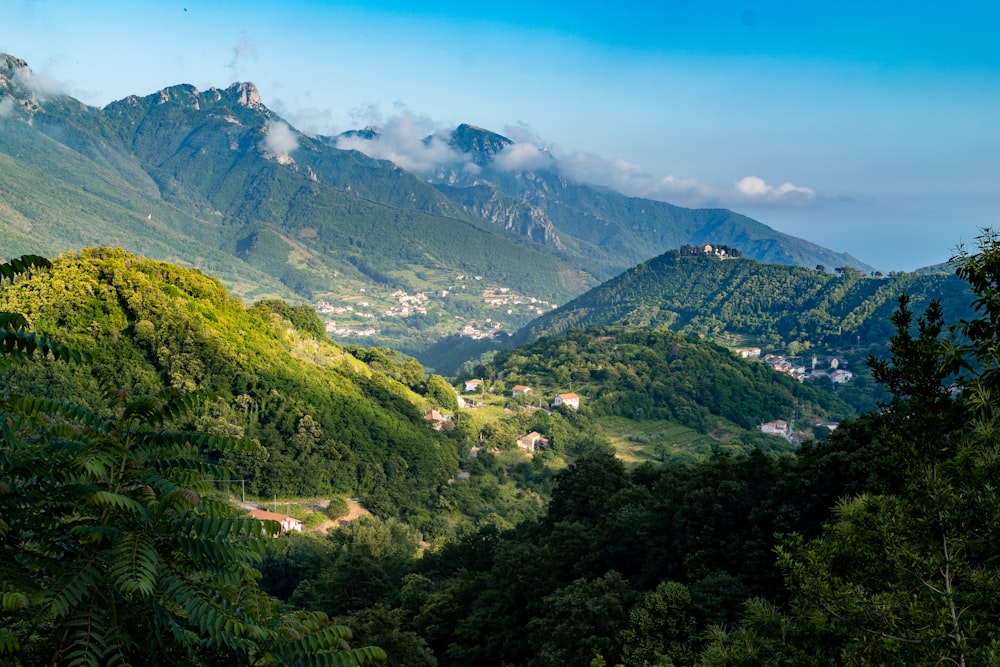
[
  {"x": 473, "y": 385},
  {"x": 569, "y": 400},
  {"x": 287, "y": 522},
  {"x": 520, "y": 390}
]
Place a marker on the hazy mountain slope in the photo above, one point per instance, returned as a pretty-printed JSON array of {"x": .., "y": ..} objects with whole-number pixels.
[
  {"x": 212, "y": 155},
  {"x": 607, "y": 225},
  {"x": 53, "y": 199},
  {"x": 741, "y": 300}
]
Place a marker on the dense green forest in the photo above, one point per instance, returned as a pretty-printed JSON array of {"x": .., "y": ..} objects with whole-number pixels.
[
  {"x": 874, "y": 547},
  {"x": 132, "y": 386},
  {"x": 740, "y": 301}
]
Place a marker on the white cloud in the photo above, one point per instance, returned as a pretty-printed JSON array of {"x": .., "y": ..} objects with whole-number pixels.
[
  {"x": 418, "y": 144},
  {"x": 522, "y": 133},
  {"x": 243, "y": 51},
  {"x": 412, "y": 142},
  {"x": 41, "y": 87},
  {"x": 517, "y": 157},
  {"x": 311, "y": 121},
  {"x": 279, "y": 139},
  {"x": 369, "y": 115},
  {"x": 630, "y": 179},
  {"x": 755, "y": 190},
  {"x": 6, "y": 107}
]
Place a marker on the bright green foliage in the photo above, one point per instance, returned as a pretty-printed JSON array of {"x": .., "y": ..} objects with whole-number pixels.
[
  {"x": 115, "y": 547},
  {"x": 442, "y": 392},
  {"x": 16, "y": 342},
  {"x": 157, "y": 325}
]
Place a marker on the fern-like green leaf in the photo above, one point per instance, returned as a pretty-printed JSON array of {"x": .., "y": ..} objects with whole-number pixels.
[
  {"x": 77, "y": 586},
  {"x": 9, "y": 645},
  {"x": 134, "y": 564},
  {"x": 116, "y": 500},
  {"x": 13, "y": 600}
]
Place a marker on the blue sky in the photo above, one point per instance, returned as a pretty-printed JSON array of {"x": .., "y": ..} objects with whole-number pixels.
[{"x": 866, "y": 127}]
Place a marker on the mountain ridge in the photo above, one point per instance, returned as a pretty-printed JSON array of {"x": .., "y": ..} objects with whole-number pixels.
[
  {"x": 216, "y": 180},
  {"x": 742, "y": 301}
]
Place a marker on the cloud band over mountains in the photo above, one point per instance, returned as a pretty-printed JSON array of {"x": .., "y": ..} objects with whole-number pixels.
[{"x": 418, "y": 144}]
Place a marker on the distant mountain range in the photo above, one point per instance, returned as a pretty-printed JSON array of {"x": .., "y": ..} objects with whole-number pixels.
[{"x": 215, "y": 180}]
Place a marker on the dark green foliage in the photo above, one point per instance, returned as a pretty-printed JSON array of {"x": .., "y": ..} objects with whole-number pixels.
[
  {"x": 581, "y": 621},
  {"x": 676, "y": 549},
  {"x": 905, "y": 573}
]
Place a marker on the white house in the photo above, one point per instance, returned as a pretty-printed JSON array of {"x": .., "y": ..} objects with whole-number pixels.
[
  {"x": 569, "y": 400},
  {"x": 529, "y": 441},
  {"x": 777, "y": 427},
  {"x": 840, "y": 376},
  {"x": 520, "y": 390},
  {"x": 473, "y": 385},
  {"x": 287, "y": 522}
]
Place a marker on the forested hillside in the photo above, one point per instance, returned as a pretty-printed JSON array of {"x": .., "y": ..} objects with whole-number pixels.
[
  {"x": 116, "y": 546},
  {"x": 876, "y": 547},
  {"x": 741, "y": 301},
  {"x": 326, "y": 421},
  {"x": 642, "y": 373}
]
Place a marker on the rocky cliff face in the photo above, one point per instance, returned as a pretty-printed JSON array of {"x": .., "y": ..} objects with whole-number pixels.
[{"x": 18, "y": 87}]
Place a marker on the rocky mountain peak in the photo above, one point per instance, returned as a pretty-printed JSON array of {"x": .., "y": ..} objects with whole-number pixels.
[
  {"x": 478, "y": 142},
  {"x": 9, "y": 65},
  {"x": 247, "y": 95},
  {"x": 17, "y": 82}
]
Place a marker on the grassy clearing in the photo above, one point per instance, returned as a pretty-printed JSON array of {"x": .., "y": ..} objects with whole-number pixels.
[{"x": 653, "y": 440}]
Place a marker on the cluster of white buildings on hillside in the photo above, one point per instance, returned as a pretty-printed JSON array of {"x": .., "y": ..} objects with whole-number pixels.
[{"x": 782, "y": 364}]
